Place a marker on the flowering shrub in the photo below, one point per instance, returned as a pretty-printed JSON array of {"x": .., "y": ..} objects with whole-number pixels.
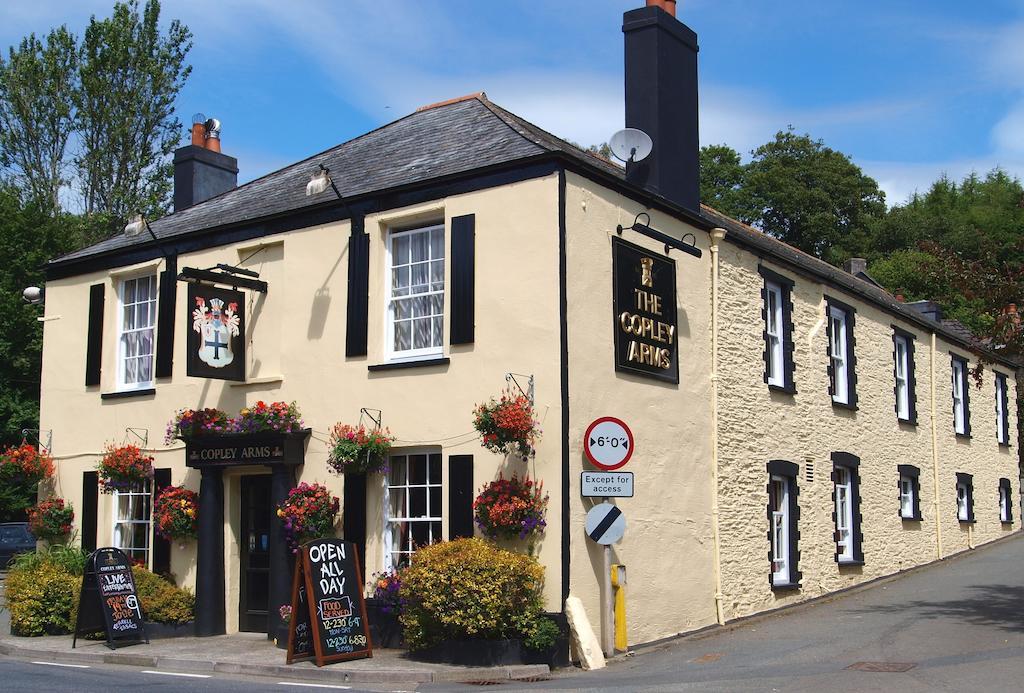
[
  {"x": 41, "y": 593},
  {"x": 50, "y": 520},
  {"x": 281, "y": 417},
  {"x": 469, "y": 589},
  {"x": 285, "y": 610},
  {"x": 175, "y": 511},
  {"x": 308, "y": 512},
  {"x": 358, "y": 451},
  {"x": 386, "y": 590},
  {"x": 188, "y": 423},
  {"x": 511, "y": 508},
  {"x": 123, "y": 467},
  {"x": 507, "y": 426},
  {"x": 276, "y": 416}
]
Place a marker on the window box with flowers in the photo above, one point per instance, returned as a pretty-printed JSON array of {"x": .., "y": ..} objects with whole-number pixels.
[
  {"x": 356, "y": 450},
  {"x": 176, "y": 510},
  {"x": 507, "y": 426},
  {"x": 511, "y": 508},
  {"x": 124, "y": 467},
  {"x": 276, "y": 417},
  {"x": 309, "y": 512},
  {"x": 51, "y": 520}
]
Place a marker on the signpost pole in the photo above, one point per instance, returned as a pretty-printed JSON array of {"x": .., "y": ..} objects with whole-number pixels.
[{"x": 608, "y": 632}]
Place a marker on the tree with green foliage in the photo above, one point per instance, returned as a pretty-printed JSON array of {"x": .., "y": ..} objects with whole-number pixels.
[
  {"x": 130, "y": 76},
  {"x": 722, "y": 178},
  {"x": 37, "y": 92}
]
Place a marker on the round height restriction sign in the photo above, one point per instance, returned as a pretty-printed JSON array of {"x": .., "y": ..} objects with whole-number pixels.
[{"x": 608, "y": 443}]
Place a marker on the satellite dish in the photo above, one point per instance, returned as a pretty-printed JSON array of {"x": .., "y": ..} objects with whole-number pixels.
[{"x": 630, "y": 144}]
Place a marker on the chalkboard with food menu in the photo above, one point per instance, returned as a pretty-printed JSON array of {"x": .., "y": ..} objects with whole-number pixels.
[
  {"x": 108, "y": 600},
  {"x": 328, "y": 610}
]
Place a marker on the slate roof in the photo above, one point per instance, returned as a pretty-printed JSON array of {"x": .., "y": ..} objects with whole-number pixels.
[
  {"x": 456, "y": 137},
  {"x": 463, "y": 136}
]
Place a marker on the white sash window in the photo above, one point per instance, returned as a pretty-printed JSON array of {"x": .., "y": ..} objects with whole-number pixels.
[
  {"x": 137, "y": 298},
  {"x": 838, "y": 354},
  {"x": 844, "y": 514}
]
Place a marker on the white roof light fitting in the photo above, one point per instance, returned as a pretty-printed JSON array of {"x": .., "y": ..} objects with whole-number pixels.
[
  {"x": 320, "y": 181},
  {"x": 136, "y": 226},
  {"x": 629, "y": 145},
  {"x": 33, "y": 295}
]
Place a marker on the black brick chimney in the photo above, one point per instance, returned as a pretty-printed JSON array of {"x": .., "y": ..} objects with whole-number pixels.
[
  {"x": 200, "y": 174},
  {"x": 661, "y": 100}
]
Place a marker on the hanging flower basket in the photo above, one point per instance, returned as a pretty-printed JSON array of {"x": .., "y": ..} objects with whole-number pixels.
[
  {"x": 25, "y": 464},
  {"x": 355, "y": 450},
  {"x": 175, "y": 512},
  {"x": 507, "y": 426},
  {"x": 124, "y": 467},
  {"x": 51, "y": 520},
  {"x": 309, "y": 512},
  {"x": 189, "y": 423},
  {"x": 511, "y": 508}
]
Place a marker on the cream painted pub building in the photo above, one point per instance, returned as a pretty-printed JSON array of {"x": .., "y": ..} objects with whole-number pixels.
[{"x": 797, "y": 430}]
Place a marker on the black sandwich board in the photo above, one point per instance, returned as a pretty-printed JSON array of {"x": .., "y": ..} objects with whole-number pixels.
[
  {"x": 108, "y": 600},
  {"x": 328, "y": 622}
]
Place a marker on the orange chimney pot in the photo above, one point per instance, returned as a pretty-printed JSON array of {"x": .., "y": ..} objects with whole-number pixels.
[
  {"x": 667, "y": 5},
  {"x": 199, "y": 135}
]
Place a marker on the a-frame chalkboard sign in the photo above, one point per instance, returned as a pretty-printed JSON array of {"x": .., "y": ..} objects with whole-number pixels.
[
  {"x": 108, "y": 600},
  {"x": 328, "y": 622}
]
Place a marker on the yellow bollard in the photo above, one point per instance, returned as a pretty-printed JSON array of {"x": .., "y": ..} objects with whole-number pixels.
[{"x": 619, "y": 584}]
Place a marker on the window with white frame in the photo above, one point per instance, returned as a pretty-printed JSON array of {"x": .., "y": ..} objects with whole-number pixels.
[
  {"x": 960, "y": 411},
  {"x": 415, "y": 320},
  {"x": 780, "y": 530},
  {"x": 774, "y": 334},
  {"x": 961, "y": 501},
  {"x": 964, "y": 497},
  {"x": 413, "y": 505},
  {"x": 137, "y": 298},
  {"x": 1005, "y": 506},
  {"x": 844, "y": 514},
  {"x": 902, "y": 379},
  {"x": 1002, "y": 418},
  {"x": 133, "y": 521},
  {"x": 839, "y": 356},
  {"x": 906, "y": 497}
]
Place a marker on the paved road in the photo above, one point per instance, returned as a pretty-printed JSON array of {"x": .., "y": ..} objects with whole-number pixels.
[{"x": 960, "y": 624}]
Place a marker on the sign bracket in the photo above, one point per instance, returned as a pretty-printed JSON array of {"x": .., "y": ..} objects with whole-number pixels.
[
  {"x": 670, "y": 242},
  {"x": 512, "y": 379},
  {"x": 37, "y": 434},
  {"x": 374, "y": 415},
  {"x": 227, "y": 275},
  {"x": 141, "y": 433}
]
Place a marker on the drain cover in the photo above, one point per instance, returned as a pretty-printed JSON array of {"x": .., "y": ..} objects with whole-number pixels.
[
  {"x": 888, "y": 667},
  {"x": 483, "y": 682},
  {"x": 532, "y": 679}
]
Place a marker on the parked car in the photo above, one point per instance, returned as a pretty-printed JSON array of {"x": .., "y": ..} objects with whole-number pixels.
[{"x": 14, "y": 539}]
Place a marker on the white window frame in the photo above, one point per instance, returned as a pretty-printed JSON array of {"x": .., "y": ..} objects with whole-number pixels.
[
  {"x": 437, "y": 341},
  {"x": 124, "y": 333},
  {"x": 839, "y": 354},
  {"x": 434, "y": 517},
  {"x": 774, "y": 328},
  {"x": 781, "y": 569},
  {"x": 906, "y": 497},
  {"x": 962, "y": 497},
  {"x": 902, "y": 378},
  {"x": 1004, "y": 503},
  {"x": 143, "y": 493},
  {"x": 959, "y": 413},
  {"x": 1002, "y": 422},
  {"x": 844, "y": 513}
]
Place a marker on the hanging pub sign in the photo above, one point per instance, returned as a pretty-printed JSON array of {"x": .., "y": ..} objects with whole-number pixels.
[
  {"x": 328, "y": 622},
  {"x": 108, "y": 600},
  {"x": 216, "y": 333},
  {"x": 644, "y": 312}
]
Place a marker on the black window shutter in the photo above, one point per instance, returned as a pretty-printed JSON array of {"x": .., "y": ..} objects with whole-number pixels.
[
  {"x": 967, "y": 404},
  {"x": 358, "y": 289},
  {"x": 165, "y": 319},
  {"x": 161, "y": 546},
  {"x": 90, "y": 499},
  {"x": 94, "y": 336},
  {"x": 460, "y": 496},
  {"x": 353, "y": 514},
  {"x": 463, "y": 275}
]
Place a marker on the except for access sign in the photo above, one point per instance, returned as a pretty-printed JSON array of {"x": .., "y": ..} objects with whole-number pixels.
[
  {"x": 606, "y": 484},
  {"x": 605, "y": 523},
  {"x": 608, "y": 443}
]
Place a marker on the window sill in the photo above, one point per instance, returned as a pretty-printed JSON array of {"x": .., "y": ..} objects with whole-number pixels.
[
  {"x": 966, "y": 522},
  {"x": 264, "y": 380},
  {"x": 1006, "y": 522},
  {"x": 849, "y": 562},
  {"x": 421, "y": 363},
  {"x": 907, "y": 422},
  {"x": 786, "y": 587},
  {"x": 782, "y": 389},
  {"x": 1005, "y": 446},
  {"x": 124, "y": 394},
  {"x": 844, "y": 405},
  {"x": 912, "y": 518},
  {"x": 963, "y": 436}
]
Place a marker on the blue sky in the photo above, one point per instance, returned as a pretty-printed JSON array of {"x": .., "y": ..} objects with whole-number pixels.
[{"x": 908, "y": 89}]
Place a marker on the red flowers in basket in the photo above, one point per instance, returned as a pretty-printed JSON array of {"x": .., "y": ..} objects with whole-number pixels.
[
  {"x": 175, "y": 512},
  {"x": 507, "y": 426},
  {"x": 511, "y": 508},
  {"x": 124, "y": 467},
  {"x": 308, "y": 513},
  {"x": 50, "y": 520}
]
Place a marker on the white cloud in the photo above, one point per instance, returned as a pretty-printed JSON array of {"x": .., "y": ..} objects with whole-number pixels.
[{"x": 899, "y": 179}]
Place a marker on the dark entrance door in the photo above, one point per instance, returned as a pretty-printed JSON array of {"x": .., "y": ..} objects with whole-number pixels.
[{"x": 254, "y": 587}]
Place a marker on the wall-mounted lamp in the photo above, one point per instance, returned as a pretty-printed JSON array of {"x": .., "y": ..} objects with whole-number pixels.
[
  {"x": 320, "y": 181},
  {"x": 136, "y": 226},
  {"x": 33, "y": 295},
  {"x": 670, "y": 242}
]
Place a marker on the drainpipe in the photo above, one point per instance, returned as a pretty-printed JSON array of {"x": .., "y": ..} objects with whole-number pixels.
[
  {"x": 716, "y": 237},
  {"x": 935, "y": 457}
]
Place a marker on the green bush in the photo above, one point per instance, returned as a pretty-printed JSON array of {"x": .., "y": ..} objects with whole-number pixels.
[
  {"x": 162, "y": 601},
  {"x": 42, "y": 593},
  {"x": 469, "y": 589}
]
